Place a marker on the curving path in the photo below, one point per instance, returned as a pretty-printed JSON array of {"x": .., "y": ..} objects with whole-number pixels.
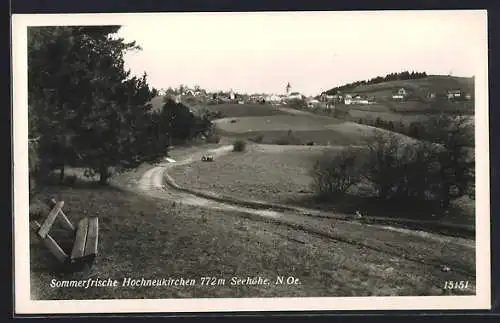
[{"x": 153, "y": 183}]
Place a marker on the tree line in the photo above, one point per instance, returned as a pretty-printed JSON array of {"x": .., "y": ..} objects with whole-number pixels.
[
  {"x": 87, "y": 110},
  {"x": 406, "y": 75}
]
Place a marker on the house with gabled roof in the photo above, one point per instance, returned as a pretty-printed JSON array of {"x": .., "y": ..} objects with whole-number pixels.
[{"x": 401, "y": 94}]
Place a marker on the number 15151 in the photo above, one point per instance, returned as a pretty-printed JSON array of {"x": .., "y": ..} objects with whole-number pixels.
[{"x": 450, "y": 284}]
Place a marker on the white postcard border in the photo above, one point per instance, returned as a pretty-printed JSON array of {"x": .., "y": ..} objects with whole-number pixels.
[{"x": 24, "y": 305}]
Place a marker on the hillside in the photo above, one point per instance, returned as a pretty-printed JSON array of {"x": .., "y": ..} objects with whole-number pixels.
[
  {"x": 420, "y": 87},
  {"x": 438, "y": 84}
]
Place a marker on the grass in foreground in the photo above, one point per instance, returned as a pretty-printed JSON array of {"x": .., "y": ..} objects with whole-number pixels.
[{"x": 154, "y": 239}]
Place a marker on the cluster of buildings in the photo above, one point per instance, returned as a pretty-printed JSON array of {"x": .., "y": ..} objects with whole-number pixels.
[
  {"x": 457, "y": 95},
  {"x": 277, "y": 98},
  {"x": 401, "y": 94},
  {"x": 232, "y": 97},
  {"x": 347, "y": 99},
  {"x": 451, "y": 95},
  {"x": 324, "y": 100}
]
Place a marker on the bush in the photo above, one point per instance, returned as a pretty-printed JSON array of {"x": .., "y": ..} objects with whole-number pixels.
[
  {"x": 383, "y": 162},
  {"x": 400, "y": 170},
  {"x": 70, "y": 180},
  {"x": 239, "y": 145},
  {"x": 333, "y": 173}
]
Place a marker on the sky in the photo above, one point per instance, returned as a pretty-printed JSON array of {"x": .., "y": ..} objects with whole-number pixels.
[{"x": 314, "y": 51}]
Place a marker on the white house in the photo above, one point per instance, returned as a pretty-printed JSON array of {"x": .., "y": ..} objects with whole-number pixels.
[
  {"x": 454, "y": 94},
  {"x": 400, "y": 95},
  {"x": 356, "y": 99},
  {"x": 273, "y": 98},
  {"x": 348, "y": 99}
]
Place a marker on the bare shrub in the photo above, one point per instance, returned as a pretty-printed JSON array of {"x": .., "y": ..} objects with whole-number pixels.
[
  {"x": 402, "y": 171},
  {"x": 239, "y": 145},
  {"x": 381, "y": 162},
  {"x": 70, "y": 180},
  {"x": 333, "y": 173}
]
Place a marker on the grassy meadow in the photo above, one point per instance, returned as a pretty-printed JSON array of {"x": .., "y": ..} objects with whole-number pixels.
[{"x": 152, "y": 238}]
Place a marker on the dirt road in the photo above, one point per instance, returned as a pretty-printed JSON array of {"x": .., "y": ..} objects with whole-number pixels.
[
  {"x": 152, "y": 183},
  {"x": 427, "y": 251}
]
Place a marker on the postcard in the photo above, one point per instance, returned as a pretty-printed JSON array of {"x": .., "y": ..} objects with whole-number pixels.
[{"x": 251, "y": 161}]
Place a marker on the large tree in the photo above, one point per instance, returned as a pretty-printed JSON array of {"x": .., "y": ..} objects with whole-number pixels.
[{"x": 88, "y": 108}]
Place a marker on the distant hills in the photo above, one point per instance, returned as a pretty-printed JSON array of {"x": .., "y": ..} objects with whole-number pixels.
[
  {"x": 379, "y": 79},
  {"x": 420, "y": 85}
]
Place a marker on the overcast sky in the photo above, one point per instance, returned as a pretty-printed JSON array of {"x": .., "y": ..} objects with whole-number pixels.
[{"x": 261, "y": 52}]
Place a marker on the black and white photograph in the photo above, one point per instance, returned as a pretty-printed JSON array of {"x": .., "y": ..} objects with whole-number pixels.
[{"x": 251, "y": 161}]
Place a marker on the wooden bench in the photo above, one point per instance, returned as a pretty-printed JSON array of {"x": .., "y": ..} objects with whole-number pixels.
[
  {"x": 207, "y": 158},
  {"x": 86, "y": 236}
]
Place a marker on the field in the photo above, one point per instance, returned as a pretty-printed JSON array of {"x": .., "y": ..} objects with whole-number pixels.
[
  {"x": 376, "y": 107},
  {"x": 355, "y": 115},
  {"x": 152, "y": 238},
  {"x": 304, "y": 129},
  {"x": 270, "y": 166},
  {"x": 245, "y": 110},
  {"x": 280, "y": 174},
  {"x": 402, "y": 112},
  {"x": 273, "y": 123}
]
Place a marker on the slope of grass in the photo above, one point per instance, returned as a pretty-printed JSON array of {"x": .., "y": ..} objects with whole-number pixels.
[
  {"x": 232, "y": 110},
  {"x": 274, "y": 123},
  {"x": 406, "y": 119},
  {"x": 146, "y": 238},
  {"x": 316, "y": 137},
  {"x": 263, "y": 172},
  {"x": 280, "y": 174},
  {"x": 433, "y": 83}
]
